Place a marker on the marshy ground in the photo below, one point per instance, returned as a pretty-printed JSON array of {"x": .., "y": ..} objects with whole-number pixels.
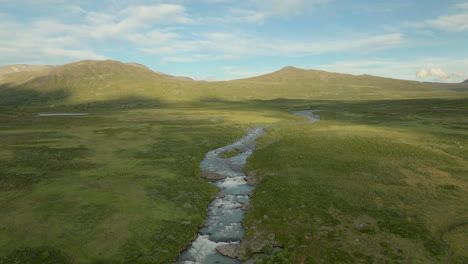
[{"x": 373, "y": 182}]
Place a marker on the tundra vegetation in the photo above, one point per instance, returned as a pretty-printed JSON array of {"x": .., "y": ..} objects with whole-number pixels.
[{"x": 381, "y": 179}]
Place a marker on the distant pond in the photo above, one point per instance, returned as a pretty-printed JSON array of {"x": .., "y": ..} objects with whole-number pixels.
[{"x": 64, "y": 114}]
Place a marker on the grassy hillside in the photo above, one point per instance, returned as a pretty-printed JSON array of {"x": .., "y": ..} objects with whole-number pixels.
[
  {"x": 91, "y": 82},
  {"x": 463, "y": 86},
  {"x": 16, "y": 74},
  {"x": 294, "y": 83},
  {"x": 15, "y": 68}
]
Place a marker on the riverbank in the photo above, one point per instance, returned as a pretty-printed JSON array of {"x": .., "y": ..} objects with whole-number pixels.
[
  {"x": 373, "y": 182},
  {"x": 218, "y": 240}
]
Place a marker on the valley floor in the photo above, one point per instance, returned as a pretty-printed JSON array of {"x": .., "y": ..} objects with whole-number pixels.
[{"x": 373, "y": 182}]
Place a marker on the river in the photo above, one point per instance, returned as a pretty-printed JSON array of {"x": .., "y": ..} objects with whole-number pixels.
[{"x": 223, "y": 224}]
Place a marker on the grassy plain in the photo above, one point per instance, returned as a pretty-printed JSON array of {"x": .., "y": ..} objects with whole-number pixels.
[
  {"x": 111, "y": 187},
  {"x": 373, "y": 182}
]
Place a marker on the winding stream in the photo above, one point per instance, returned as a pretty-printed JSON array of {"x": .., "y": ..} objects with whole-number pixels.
[{"x": 223, "y": 224}]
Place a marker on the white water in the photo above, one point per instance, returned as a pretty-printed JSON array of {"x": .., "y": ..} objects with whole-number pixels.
[{"x": 223, "y": 224}]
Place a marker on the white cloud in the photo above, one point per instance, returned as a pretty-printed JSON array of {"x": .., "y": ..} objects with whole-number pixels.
[
  {"x": 365, "y": 44},
  {"x": 287, "y": 7},
  {"x": 235, "y": 73},
  {"x": 72, "y": 54},
  {"x": 148, "y": 16},
  {"x": 177, "y": 59},
  {"x": 137, "y": 21},
  {"x": 462, "y": 5},
  {"x": 457, "y": 21},
  {"x": 431, "y": 72},
  {"x": 258, "y": 11},
  {"x": 459, "y": 74},
  {"x": 454, "y": 23},
  {"x": 42, "y": 42},
  {"x": 379, "y": 42},
  {"x": 440, "y": 75},
  {"x": 422, "y": 74},
  {"x": 402, "y": 69},
  {"x": 245, "y": 16},
  {"x": 234, "y": 46},
  {"x": 61, "y": 42}
]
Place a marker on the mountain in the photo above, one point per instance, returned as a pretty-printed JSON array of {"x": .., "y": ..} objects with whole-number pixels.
[
  {"x": 22, "y": 68},
  {"x": 161, "y": 73},
  {"x": 291, "y": 82},
  {"x": 22, "y": 72},
  {"x": 115, "y": 83},
  {"x": 461, "y": 87}
]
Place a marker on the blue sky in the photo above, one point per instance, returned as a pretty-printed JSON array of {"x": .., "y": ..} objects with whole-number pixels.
[{"x": 424, "y": 40}]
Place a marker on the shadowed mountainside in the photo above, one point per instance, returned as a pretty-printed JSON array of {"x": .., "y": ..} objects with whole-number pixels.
[
  {"x": 463, "y": 86},
  {"x": 84, "y": 82},
  {"x": 88, "y": 81}
]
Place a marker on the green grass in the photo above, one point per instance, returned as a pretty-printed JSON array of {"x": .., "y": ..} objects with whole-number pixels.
[
  {"x": 111, "y": 187},
  {"x": 120, "y": 186},
  {"x": 366, "y": 185},
  {"x": 229, "y": 154},
  {"x": 381, "y": 179}
]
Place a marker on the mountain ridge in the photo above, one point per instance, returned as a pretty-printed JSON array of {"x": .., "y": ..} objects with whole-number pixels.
[
  {"x": 88, "y": 81},
  {"x": 460, "y": 87},
  {"x": 12, "y": 68}
]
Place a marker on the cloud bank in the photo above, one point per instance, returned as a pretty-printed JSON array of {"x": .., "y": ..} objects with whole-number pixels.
[{"x": 439, "y": 75}]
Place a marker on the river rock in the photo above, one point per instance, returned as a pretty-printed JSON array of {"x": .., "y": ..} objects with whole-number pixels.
[
  {"x": 251, "y": 245},
  {"x": 211, "y": 176},
  {"x": 231, "y": 251},
  {"x": 251, "y": 178},
  {"x": 247, "y": 207}
]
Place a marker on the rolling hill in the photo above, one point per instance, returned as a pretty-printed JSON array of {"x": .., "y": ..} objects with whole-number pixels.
[
  {"x": 93, "y": 82},
  {"x": 463, "y": 86},
  {"x": 291, "y": 82},
  {"x": 22, "y": 68}
]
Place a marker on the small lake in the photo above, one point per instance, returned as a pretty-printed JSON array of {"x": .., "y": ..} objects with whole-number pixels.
[{"x": 64, "y": 114}]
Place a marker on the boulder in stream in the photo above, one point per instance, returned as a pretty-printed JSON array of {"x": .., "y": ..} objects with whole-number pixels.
[
  {"x": 247, "y": 247},
  {"x": 211, "y": 176},
  {"x": 231, "y": 251},
  {"x": 251, "y": 178}
]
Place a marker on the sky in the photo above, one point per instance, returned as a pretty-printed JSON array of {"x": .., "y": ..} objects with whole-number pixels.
[{"x": 424, "y": 40}]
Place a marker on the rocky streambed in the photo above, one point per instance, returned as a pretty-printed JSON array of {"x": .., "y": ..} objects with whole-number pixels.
[{"x": 222, "y": 230}]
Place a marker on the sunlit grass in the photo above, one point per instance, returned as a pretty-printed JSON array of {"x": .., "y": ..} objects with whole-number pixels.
[
  {"x": 374, "y": 181},
  {"x": 111, "y": 186},
  {"x": 365, "y": 185}
]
